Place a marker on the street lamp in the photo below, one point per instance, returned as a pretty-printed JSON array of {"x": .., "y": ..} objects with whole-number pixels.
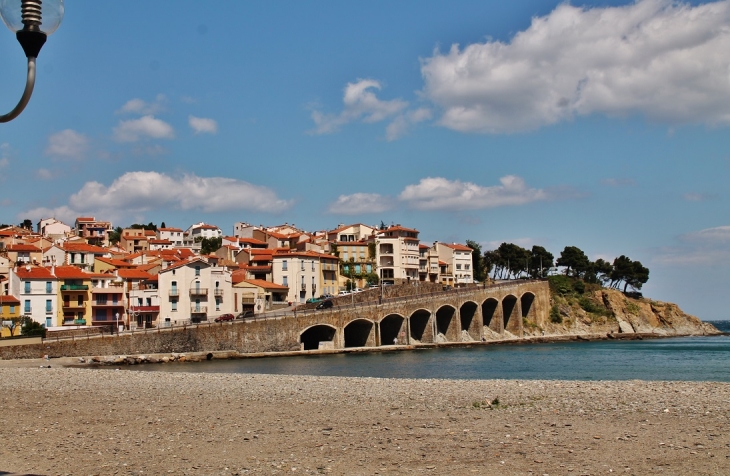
[{"x": 26, "y": 18}]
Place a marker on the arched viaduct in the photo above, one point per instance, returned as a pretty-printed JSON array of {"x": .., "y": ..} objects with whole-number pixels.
[{"x": 465, "y": 315}]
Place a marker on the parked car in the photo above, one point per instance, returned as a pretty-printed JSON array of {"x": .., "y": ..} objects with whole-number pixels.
[
  {"x": 313, "y": 300},
  {"x": 325, "y": 304},
  {"x": 224, "y": 318},
  {"x": 343, "y": 293},
  {"x": 244, "y": 315},
  {"x": 357, "y": 290}
]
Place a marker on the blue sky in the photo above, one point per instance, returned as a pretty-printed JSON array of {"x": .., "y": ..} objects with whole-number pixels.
[{"x": 602, "y": 125}]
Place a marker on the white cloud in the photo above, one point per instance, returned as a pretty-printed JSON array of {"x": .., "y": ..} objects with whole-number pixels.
[
  {"x": 403, "y": 122},
  {"x": 144, "y": 127},
  {"x": 4, "y": 162},
  {"x": 618, "y": 182},
  {"x": 44, "y": 174},
  {"x": 361, "y": 104},
  {"x": 359, "y": 203},
  {"x": 202, "y": 125},
  {"x": 139, "y": 106},
  {"x": 699, "y": 197},
  {"x": 707, "y": 247},
  {"x": 437, "y": 193},
  {"x": 664, "y": 59},
  {"x": 67, "y": 144}
]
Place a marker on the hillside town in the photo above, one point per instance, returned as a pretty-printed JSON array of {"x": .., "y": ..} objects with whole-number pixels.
[{"x": 91, "y": 274}]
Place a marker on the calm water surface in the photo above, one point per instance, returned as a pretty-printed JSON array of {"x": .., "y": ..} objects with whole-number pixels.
[{"x": 684, "y": 358}]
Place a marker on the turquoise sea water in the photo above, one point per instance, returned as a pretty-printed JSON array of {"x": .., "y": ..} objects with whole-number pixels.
[{"x": 682, "y": 358}]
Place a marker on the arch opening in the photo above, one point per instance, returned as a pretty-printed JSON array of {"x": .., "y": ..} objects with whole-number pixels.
[
  {"x": 509, "y": 313},
  {"x": 444, "y": 323},
  {"x": 467, "y": 313},
  {"x": 526, "y": 302},
  {"x": 490, "y": 309},
  {"x": 390, "y": 329},
  {"x": 420, "y": 330},
  {"x": 358, "y": 333},
  {"x": 311, "y": 338}
]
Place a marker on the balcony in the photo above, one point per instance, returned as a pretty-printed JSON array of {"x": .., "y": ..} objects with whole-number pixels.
[
  {"x": 386, "y": 251},
  {"x": 79, "y": 322},
  {"x": 106, "y": 303},
  {"x": 218, "y": 292},
  {"x": 198, "y": 309},
  {"x": 199, "y": 291},
  {"x": 110, "y": 290},
  {"x": 174, "y": 292},
  {"x": 74, "y": 287}
]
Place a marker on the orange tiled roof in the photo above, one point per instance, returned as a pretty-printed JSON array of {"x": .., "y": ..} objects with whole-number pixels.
[
  {"x": 265, "y": 284},
  {"x": 35, "y": 272},
  {"x": 70, "y": 272},
  {"x": 23, "y": 248},
  {"x": 457, "y": 247},
  {"x": 133, "y": 274},
  {"x": 9, "y": 299},
  {"x": 84, "y": 248}
]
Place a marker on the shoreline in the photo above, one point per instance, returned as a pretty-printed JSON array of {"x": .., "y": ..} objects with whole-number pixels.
[{"x": 192, "y": 357}]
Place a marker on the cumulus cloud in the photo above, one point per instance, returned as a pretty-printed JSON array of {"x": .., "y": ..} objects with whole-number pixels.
[
  {"x": 139, "y": 106},
  {"x": 137, "y": 192},
  {"x": 707, "y": 247},
  {"x": 663, "y": 59},
  {"x": 202, "y": 125},
  {"x": 360, "y": 104},
  {"x": 618, "y": 182},
  {"x": 67, "y": 144},
  {"x": 4, "y": 162},
  {"x": 699, "y": 197},
  {"x": 359, "y": 203},
  {"x": 438, "y": 193},
  {"x": 142, "y": 128},
  {"x": 44, "y": 174},
  {"x": 403, "y": 123}
]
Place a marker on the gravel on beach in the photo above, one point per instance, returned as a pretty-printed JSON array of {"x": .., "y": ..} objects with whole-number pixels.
[{"x": 105, "y": 421}]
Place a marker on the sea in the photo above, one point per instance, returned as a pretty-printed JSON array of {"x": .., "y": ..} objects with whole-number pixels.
[{"x": 675, "y": 358}]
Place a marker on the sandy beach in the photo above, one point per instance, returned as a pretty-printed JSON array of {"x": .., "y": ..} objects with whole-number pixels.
[{"x": 103, "y": 421}]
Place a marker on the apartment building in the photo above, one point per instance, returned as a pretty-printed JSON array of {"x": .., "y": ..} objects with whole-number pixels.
[
  {"x": 355, "y": 232},
  {"x": 95, "y": 232},
  {"x": 53, "y": 229},
  {"x": 23, "y": 253},
  {"x": 397, "y": 254},
  {"x": 194, "y": 291},
  {"x": 36, "y": 289},
  {"x": 134, "y": 240},
  {"x": 428, "y": 264},
  {"x": 173, "y": 235},
  {"x": 144, "y": 303},
  {"x": 306, "y": 274},
  {"x": 456, "y": 263}
]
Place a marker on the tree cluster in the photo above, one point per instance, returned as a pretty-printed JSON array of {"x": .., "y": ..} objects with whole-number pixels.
[{"x": 511, "y": 261}]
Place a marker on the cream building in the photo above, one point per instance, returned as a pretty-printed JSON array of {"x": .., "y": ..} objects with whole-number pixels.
[
  {"x": 458, "y": 262},
  {"x": 397, "y": 254}
]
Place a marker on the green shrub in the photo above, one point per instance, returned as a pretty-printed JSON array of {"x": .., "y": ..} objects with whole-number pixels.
[
  {"x": 555, "y": 316},
  {"x": 560, "y": 284},
  {"x": 590, "y": 306}
]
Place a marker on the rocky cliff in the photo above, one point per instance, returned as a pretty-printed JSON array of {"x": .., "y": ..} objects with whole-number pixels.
[{"x": 610, "y": 311}]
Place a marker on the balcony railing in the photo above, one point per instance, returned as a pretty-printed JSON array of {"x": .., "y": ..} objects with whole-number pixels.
[
  {"x": 174, "y": 292},
  {"x": 198, "y": 309},
  {"x": 218, "y": 292},
  {"x": 74, "y": 287},
  {"x": 107, "y": 303},
  {"x": 199, "y": 291}
]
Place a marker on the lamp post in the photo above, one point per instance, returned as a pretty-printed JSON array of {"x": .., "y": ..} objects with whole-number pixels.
[{"x": 32, "y": 21}]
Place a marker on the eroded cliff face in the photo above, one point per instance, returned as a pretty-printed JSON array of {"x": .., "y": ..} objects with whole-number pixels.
[{"x": 610, "y": 311}]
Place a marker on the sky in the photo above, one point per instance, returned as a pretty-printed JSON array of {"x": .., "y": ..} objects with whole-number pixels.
[{"x": 597, "y": 124}]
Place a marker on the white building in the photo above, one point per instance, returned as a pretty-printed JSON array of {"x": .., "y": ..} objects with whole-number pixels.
[
  {"x": 397, "y": 254},
  {"x": 37, "y": 290},
  {"x": 53, "y": 229},
  {"x": 174, "y": 235},
  {"x": 306, "y": 274},
  {"x": 194, "y": 291},
  {"x": 457, "y": 262},
  {"x": 195, "y": 234}
]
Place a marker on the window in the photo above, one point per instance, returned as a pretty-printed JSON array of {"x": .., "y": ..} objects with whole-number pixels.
[
  {"x": 27, "y": 286},
  {"x": 115, "y": 299},
  {"x": 458, "y": 266},
  {"x": 312, "y": 265},
  {"x": 149, "y": 302},
  {"x": 139, "y": 302},
  {"x": 12, "y": 309},
  {"x": 286, "y": 281},
  {"x": 217, "y": 304},
  {"x": 48, "y": 287},
  {"x": 174, "y": 305},
  {"x": 27, "y": 306},
  {"x": 100, "y": 315},
  {"x": 101, "y": 299},
  {"x": 466, "y": 267},
  {"x": 301, "y": 262},
  {"x": 284, "y": 266},
  {"x": 197, "y": 271},
  {"x": 80, "y": 300}
]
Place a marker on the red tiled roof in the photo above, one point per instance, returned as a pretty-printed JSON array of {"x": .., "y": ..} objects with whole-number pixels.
[
  {"x": 401, "y": 228},
  {"x": 422, "y": 246},
  {"x": 36, "y": 272},
  {"x": 133, "y": 274},
  {"x": 70, "y": 272},
  {"x": 84, "y": 247},
  {"x": 265, "y": 284},
  {"x": 115, "y": 262},
  {"x": 9, "y": 299},
  {"x": 23, "y": 248},
  {"x": 457, "y": 247},
  {"x": 86, "y": 219},
  {"x": 169, "y": 229}
]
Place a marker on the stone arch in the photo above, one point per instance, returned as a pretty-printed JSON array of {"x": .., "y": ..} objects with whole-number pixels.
[
  {"x": 511, "y": 314},
  {"x": 492, "y": 315},
  {"x": 527, "y": 306},
  {"x": 469, "y": 321},
  {"x": 311, "y": 337},
  {"x": 391, "y": 327},
  {"x": 359, "y": 333},
  {"x": 421, "y": 331},
  {"x": 446, "y": 324}
]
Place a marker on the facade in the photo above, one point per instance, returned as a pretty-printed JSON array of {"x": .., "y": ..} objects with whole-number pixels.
[
  {"x": 53, "y": 229},
  {"x": 36, "y": 289},
  {"x": 93, "y": 231},
  {"x": 9, "y": 311},
  {"x": 83, "y": 255},
  {"x": 256, "y": 295},
  {"x": 173, "y": 235},
  {"x": 74, "y": 297},
  {"x": 195, "y": 234},
  {"x": 133, "y": 240},
  {"x": 356, "y": 232},
  {"x": 397, "y": 254},
  {"x": 428, "y": 264},
  {"x": 144, "y": 303},
  {"x": 194, "y": 291},
  {"x": 22, "y": 254},
  {"x": 356, "y": 261},
  {"x": 305, "y": 274},
  {"x": 457, "y": 263}
]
